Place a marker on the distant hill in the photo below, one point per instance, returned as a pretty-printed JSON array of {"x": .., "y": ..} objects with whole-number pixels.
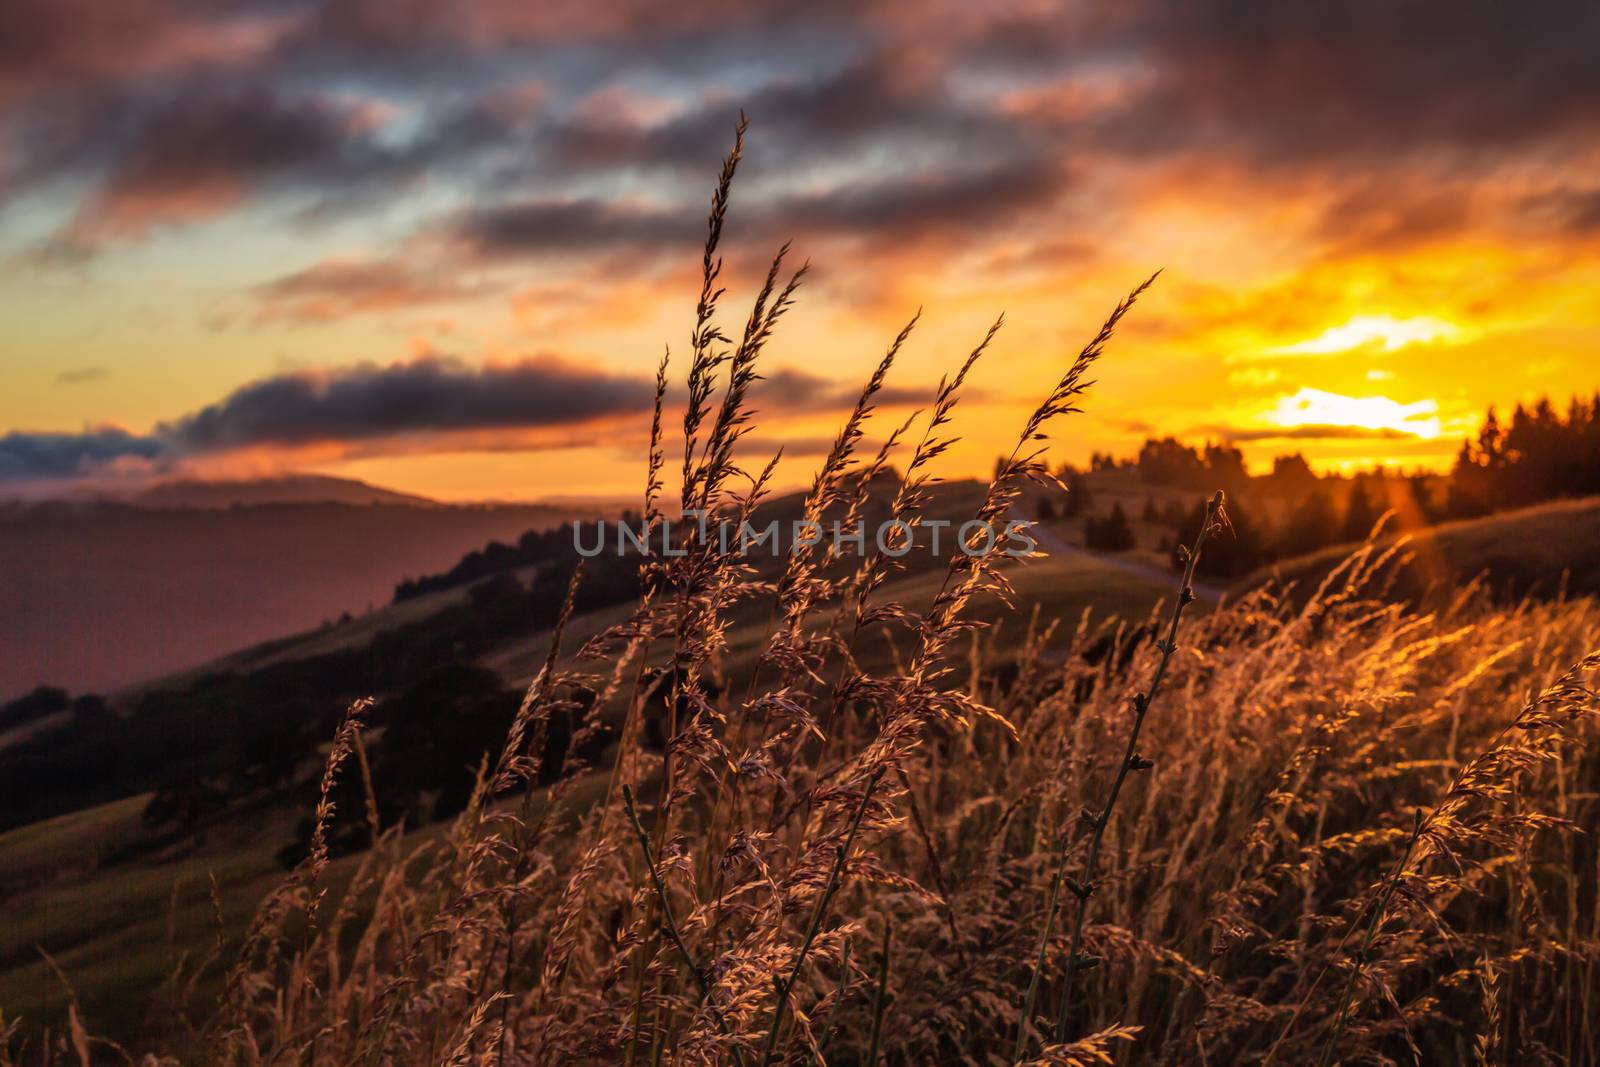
[
  {"x": 464, "y": 648},
  {"x": 1535, "y": 551},
  {"x": 282, "y": 489},
  {"x": 99, "y": 595}
]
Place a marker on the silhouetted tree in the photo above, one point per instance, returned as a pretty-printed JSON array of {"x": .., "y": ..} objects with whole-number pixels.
[
  {"x": 1292, "y": 474},
  {"x": 1110, "y": 534},
  {"x": 1168, "y": 461},
  {"x": 1230, "y": 553},
  {"x": 435, "y": 734},
  {"x": 1310, "y": 526},
  {"x": 1225, "y": 467},
  {"x": 1540, "y": 455},
  {"x": 1359, "y": 513},
  {"x": 1078, "y": 497},
  {"x": 42, "y": 702},
  {"x": 1420, "y": 490}
]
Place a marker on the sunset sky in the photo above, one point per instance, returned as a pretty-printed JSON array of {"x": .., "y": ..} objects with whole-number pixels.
[{"x": 441, "y": 246}]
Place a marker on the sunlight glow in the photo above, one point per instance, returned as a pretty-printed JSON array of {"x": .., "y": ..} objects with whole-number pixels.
[
  {"x": 1383, "y": 331},
  {"x": 1315, "y": 407}
]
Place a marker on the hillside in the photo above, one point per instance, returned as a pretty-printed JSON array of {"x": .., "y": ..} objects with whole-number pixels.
[
  {"x": 212, "y": 724},
  {"x": 280, "y": 489},
  {"x": 1535, "y": 551},
  {"x": 101, "y": 595},
  {"x": 209, "y": 770},
  {"x": 117, "y": 896}
]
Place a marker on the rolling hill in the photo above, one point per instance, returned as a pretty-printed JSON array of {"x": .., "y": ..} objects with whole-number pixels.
[
  {"x": 98, "y": 873},
  {"x": 108, "y": 873},
  {"x": 279, "y": 489},
  {"x": 1535, "y": 551},
  {"x": 99, "y": 595}
]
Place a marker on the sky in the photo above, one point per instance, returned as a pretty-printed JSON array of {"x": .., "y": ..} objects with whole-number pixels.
[{"x": 441, "y": 246}]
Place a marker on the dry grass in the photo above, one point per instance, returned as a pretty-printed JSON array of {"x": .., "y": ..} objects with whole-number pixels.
[{"x": 1353, "y": 836}]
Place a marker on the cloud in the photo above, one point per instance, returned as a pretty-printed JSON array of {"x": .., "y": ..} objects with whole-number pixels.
[
  {"x": 880, "y": 118},
  {"x": 441, "y": 395},
  {"x": 203, "y": 152},
  {"x": 920, "y": 206},
  {"x": 430, "y": 395},
  {"x": 54, "y": 46},
  {"x": 425, "y": 404},
  {"x": 335, "y": 288},
  {"x": 876, "y": 102},
  {"x": 796, "y": 391},
  {"x": 1569, "y": 209},
  {"x": 553, "y": 224},
  {"x": 1312, "y": 432},
  {"x": 45, "y": 456},
  {"x": 82, "y": 376},
  {"x": 1367, "y": 82}
]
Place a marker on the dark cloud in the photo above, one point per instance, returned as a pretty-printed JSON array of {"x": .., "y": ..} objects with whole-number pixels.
[
  {"x": 1388, "y": 217},
  {"x": 933, "y": 204},
  {"x": 1573, "y": 210},
  {"x": 1371, "y": 82},
  {"x": 203, "y": 152},
  {"x": 541, "y": 225},
  {"x": 909, "y": 205},
  {"x": 876, "y": 103},
  {"x": 439, "y": 395},
  {"x": 888, "y": 120},
  {"x": 399, "y": 31},
  {"x": 787, "y": 389},
  {"x": 430, "y": 395},
  {"x": 53, "y": 46},
  {"x": 1309, "y": 432},
  {"x": 369, "y": 404},
  {"x": 46, "y": 456}
]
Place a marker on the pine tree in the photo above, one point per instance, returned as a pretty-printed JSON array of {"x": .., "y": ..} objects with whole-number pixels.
[
  {"x": 1110, "y": 534},
  {"x": 1310, "y": 526},
  {"x": 1359, "y": 513}
]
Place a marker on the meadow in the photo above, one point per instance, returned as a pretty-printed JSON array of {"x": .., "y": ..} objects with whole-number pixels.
[{"x": 895, "y": 819}]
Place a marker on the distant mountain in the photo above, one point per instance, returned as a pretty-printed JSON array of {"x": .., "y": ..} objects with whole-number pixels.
[
  {"x": 97, "y": 595},
  {"x": 282, "y": 489}
]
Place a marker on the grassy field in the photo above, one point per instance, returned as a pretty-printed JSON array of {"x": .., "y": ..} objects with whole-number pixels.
[{"x": 117, "y": 920}]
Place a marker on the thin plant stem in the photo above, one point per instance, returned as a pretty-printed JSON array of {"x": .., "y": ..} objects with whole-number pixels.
[
  {"x": 1378, "y": 911},
  {"x": 880, "y": 1005},
  {"x": 819, "y": 915},
  {"x": 667, "y": 917},
  {"x": 1038, "y": 963},
  {"x": 666, "y": 914},
  {"x": 833, "y": 1009},
  {"x": 1131, "y": 760}
]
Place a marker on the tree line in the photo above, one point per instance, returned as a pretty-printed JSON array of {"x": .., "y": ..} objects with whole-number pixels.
[{"x": 1539, "y": 454}]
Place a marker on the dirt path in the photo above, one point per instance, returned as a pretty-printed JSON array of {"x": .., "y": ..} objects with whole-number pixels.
[{"x": 1056, "y": 545}]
